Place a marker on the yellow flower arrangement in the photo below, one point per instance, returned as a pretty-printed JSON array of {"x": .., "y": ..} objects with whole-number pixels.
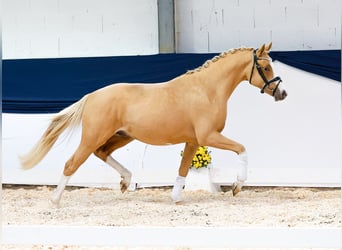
[{"x": 202, "y": 158}]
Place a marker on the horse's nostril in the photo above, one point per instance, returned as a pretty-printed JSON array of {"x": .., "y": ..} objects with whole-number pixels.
[
  {"x": 284, "y": 94},
  {"x": 280, "y": 95}
]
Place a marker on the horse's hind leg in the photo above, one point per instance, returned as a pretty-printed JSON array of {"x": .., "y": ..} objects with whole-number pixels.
[
  {"x": 71, "y": 166},
  {"x": 116, "y": 141},
  {"x": 56, "y": 197}
]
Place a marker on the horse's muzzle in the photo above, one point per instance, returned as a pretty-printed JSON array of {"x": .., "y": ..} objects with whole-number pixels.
[{"x": 280, "y": 95}]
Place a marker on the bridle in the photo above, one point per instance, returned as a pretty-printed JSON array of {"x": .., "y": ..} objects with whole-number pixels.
[{"x": 262, "y": 75}]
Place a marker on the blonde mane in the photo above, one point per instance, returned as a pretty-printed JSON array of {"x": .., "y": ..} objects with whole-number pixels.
[{"x": 216, "y": 58}]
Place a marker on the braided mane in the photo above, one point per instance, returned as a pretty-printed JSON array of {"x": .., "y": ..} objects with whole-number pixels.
[{"x": 216, "y": 58}]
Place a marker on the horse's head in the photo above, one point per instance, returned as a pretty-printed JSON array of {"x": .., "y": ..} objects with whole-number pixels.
[{"x": 263, "y": 76}]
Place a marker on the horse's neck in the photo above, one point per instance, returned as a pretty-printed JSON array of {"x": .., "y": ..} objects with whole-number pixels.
[{"x": 222, "y": 77}]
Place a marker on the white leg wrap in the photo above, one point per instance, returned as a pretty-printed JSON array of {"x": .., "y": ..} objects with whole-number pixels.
[
  {"x": 177, "y": 189},
  {"x": 242, "y": 166},
  {"x": 56, "y": 197}
]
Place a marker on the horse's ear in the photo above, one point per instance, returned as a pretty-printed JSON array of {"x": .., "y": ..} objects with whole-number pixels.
[
  {"x": 260, "y": 50},
  {"x": 268, "y": 47}
]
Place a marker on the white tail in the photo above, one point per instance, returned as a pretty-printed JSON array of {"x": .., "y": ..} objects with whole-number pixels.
[{"x": 68, "y": 117}]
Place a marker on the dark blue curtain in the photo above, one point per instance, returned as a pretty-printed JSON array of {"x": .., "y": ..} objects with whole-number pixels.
[
  {"x": 326, "y": 63},
  {"x": 49, "y": 85}
]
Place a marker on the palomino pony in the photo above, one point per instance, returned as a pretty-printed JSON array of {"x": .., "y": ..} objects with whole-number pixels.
[{"x": 190, "y": 108}]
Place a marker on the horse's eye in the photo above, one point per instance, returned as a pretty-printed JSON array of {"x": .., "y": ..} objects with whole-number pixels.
[{"x": 267, "y": 68}]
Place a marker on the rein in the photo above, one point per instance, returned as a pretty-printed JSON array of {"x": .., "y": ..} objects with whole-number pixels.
[{"x": 262, "y": 75}]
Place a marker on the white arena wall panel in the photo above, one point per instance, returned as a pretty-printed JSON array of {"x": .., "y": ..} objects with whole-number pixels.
[
  {"x": 62, "y": 28},
  {"x": 296, "y": 142},
  {"x": 213, "y": 26}
]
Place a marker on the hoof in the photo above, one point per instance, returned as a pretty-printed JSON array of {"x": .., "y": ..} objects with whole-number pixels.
[
  {"x": 55, "y": 202},
  {"x": 55, "y": 205},
  {"x": 124, "y": 183},
  {"x": 176, "y": 193},
  {"x": 176, "y": 197},
  {"x": 123, "y": 186},
  {"x": 236, "y": 188},
  {"x": 179, "y": 203}
]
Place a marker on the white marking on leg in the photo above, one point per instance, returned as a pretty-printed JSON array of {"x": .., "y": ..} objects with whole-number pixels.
[
  {"x": 241, "y": 172},
  {"x": 177, "y": 189},
  {"x": 56, "y": 197},
  {"x": 118, "y": 167},
  {"x": 242, "y": 166},
  {"x": 124, "y": 172}
]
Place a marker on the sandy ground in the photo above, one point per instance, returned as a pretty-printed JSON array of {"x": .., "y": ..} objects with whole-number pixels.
[
  {"x": 290, "y": 207},
  {"x": 267, "y": 207}
]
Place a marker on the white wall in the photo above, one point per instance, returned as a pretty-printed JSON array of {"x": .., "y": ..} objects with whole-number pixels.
[
  {"x": 296, "y": 142},
  {"x": 216, "y": 25},
  {"x": 79, "y": 28}
]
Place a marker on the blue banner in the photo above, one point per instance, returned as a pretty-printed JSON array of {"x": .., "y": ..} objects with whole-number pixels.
[{"x": 49, "y": 85}]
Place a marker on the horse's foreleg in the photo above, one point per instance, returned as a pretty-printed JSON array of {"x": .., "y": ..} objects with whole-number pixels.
[
  {"x": 241, "y": 173},
  {"x": 189, "y": 151},
  {"x": 219, "y": 141},
  {"x": 103, "y": 152}
]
